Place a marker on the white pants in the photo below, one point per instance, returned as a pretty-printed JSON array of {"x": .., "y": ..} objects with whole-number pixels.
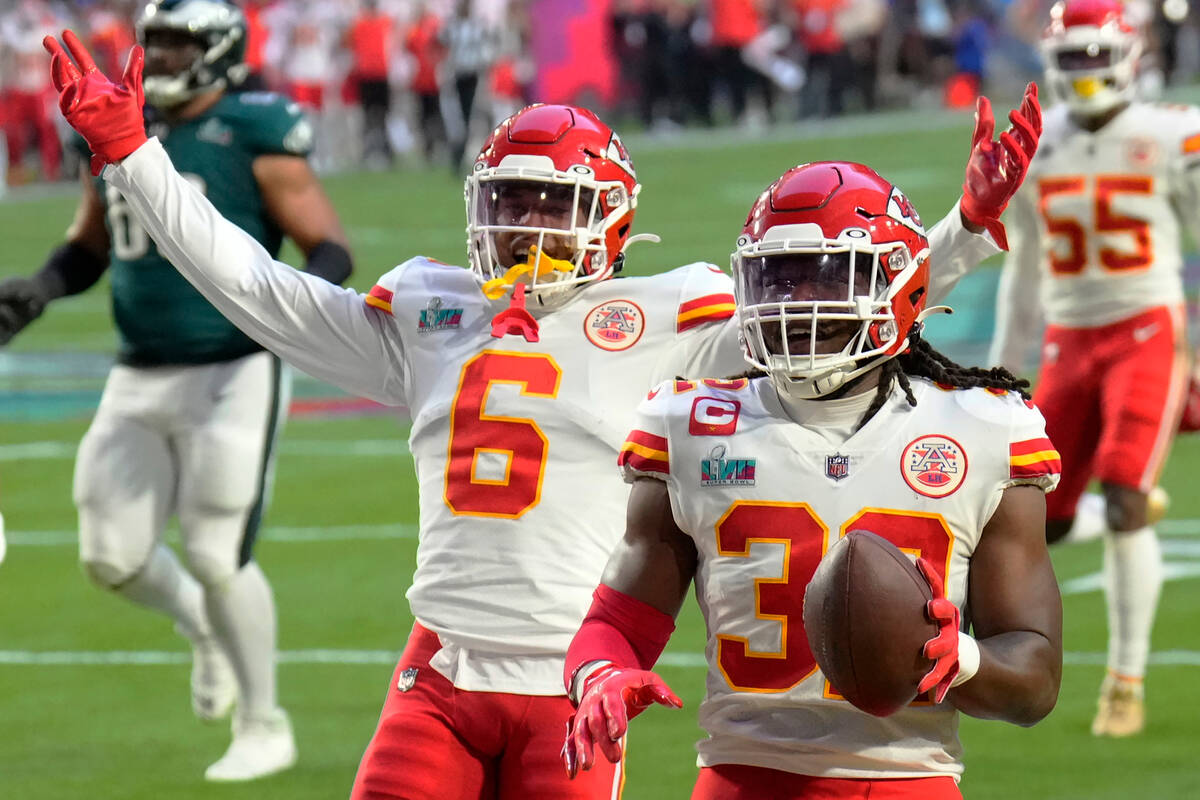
[{"x": 196, "y": 441}]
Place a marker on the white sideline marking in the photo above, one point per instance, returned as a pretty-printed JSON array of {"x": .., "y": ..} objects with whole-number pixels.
[
  {"x": 138, "y": 658},
  {"x": 52, "y": 450},
  {"x": 332, "y": 533}
]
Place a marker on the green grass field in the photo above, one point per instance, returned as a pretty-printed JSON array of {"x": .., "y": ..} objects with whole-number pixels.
[{"x": 93, "y": 692}]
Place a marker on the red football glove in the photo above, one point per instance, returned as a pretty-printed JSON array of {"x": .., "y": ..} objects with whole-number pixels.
[
  {"x": 995, "y": 170},
  {"x": 611, "y": 697},
  {"x": 943, "y": 648},
  {"x": 108, "y": 115}
]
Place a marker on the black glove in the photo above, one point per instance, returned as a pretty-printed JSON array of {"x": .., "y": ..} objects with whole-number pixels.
[{"x": 21, "y": 302}]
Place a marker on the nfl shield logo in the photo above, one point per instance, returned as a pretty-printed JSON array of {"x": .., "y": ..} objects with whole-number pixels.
[
  {"x": 837, "y": 466},
  {"x": 407, "y": 680}
]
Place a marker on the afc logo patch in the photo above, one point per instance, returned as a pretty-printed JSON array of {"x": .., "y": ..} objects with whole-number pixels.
[
  {"x": 407, "y": 679},
  {"x": 837, "y": 467},
  {"x": 933, "y": 465},
  {"x": 1142, "y": 152},
  {"x": 713, "y": 416},
  {"x": 615, "y": 325}
]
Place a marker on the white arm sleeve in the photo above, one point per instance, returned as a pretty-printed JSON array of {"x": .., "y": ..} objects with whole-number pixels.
[
  {"x": 323, "y": 329},
  {"x": 954, "y": 251},
  {"x": 1018, "y": 309}
]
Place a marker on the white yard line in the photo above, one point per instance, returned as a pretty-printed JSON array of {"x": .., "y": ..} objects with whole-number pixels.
[
  {"x": 316, "y": 533},
  {"x": 137, "y": 658},
  {"x": 353, "y": 448}
]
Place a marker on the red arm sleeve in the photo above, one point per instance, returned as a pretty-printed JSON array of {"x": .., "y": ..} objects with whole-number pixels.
[{"x": 620, "y": 629}]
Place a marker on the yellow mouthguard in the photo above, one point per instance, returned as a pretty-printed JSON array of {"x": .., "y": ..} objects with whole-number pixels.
[
  {"x": 539, "y": 265},
  {"x": 1086, "y": 87}
]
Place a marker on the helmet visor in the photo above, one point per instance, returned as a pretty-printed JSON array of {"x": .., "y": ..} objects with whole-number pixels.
[
  {"x": 800, "y": 277},
  {"x": 520, "y": 214},
  {"x": 1090, "y": 58}
]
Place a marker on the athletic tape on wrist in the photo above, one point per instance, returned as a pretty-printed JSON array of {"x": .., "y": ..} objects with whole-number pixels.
[
  {"x": 580, "y": 678},
  {"x": 968, "y": 659}
]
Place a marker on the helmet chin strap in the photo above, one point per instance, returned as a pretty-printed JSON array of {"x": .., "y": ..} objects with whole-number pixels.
[{"x": 809, "y": 388}]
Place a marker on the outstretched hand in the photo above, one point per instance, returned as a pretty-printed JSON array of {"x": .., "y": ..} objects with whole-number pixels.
[
  {"x": 995, "y": 170},
  {"x": 108, "y": 115},
  {"x": 611, "y": 697}
]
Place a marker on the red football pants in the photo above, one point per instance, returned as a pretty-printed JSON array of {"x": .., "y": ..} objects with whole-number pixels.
[
  {"x": 309, "y": 95},
  {"x": 25, "y": 114},
  {"x": 436, "y": 742},
  {"x": 741, "y": 782},
  {"x": 1112, "y": 396}
]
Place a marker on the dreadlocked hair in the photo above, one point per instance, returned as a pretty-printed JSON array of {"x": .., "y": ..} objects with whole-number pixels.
[{"x": 921, "y": 360}]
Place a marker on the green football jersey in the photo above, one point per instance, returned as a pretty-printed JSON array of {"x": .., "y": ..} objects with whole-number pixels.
[{"x": 160, "y": 317}]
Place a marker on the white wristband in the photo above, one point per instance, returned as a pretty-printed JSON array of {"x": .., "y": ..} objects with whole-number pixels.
[
  {"x": 968, "y": 659},
  {"x": 580, "y": 677}
]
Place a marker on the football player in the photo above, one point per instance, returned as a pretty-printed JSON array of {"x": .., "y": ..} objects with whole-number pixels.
[
  {"x": 521, "y": 375},
  {"x": 1096, "y": 237},
  {"x": 848, "y": 420},
  {"x": 191, "y": 411}
]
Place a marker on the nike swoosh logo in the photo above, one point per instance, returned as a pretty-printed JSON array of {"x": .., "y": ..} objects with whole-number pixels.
[{"x": 1144, "y": 333}]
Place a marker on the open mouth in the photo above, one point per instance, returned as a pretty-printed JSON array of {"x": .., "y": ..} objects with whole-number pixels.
[{"x": 832, "y": 336}]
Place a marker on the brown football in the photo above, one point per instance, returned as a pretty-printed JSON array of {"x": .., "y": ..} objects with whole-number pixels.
[{"x": 864, "y": 611}]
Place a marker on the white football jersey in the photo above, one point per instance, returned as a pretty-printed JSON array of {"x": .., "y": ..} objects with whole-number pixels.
[
  {"x": 1096, "y": 225},
  {"x": 514, "y": 441},
  {"x": 764, "y": 498}
]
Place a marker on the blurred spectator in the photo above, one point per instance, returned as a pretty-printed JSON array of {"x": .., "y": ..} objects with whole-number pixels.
[
  {"x": 640, "y": 36},
  {"x": 26, "y": 94},
  {"x": 370, "y": 40},
  {"x": 829, "y": 65},
  {"x": 110, "y": 34},
  {"x": 257, "y": 35},
  {"x": 425, "y": 47},
  {"x": 689, "y": 40},
  {"x": 735, "y": 23},
  {"x": 471, "y": 45},
  {"x": 972, "y": 39},
  {"x": 513, "y": 70}
]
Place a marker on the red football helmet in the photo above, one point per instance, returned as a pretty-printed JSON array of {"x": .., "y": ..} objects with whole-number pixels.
[
  {"x": 557, "y": 179},
  {"x": 831, "y": 273},
  {"x": 1090, "y": 51}
]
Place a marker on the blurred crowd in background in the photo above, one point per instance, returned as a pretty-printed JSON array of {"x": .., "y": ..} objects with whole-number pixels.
[{"x": 421, "y": 80}]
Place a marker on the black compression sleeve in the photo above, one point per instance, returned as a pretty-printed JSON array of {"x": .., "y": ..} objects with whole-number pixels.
[
  {"x": 70, "y": 269},
  {"x": 329, "y": 260}
]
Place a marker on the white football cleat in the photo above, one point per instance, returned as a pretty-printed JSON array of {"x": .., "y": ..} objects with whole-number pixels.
[
  {"x": 1121, "y": 711},
  {"x": 214, "y": 686},
  {"x": 261, "y": 746}
]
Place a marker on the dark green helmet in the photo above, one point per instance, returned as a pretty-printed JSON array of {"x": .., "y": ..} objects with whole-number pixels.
[{"x": 217, "y": 26}]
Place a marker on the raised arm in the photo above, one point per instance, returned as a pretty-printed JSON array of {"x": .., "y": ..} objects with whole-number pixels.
[
  {"x": 995, "y": 171},
  {"x": 326, "y": 331},
  {"x": 323, "y": 329}
]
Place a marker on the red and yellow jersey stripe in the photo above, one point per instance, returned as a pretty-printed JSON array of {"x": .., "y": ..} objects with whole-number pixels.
[
  {"x": 1033, "y": 458},
  {"x": 645, "y": 452},
  {"x": 380, "y": 298},
  {"x": 710, "y": 308}
]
